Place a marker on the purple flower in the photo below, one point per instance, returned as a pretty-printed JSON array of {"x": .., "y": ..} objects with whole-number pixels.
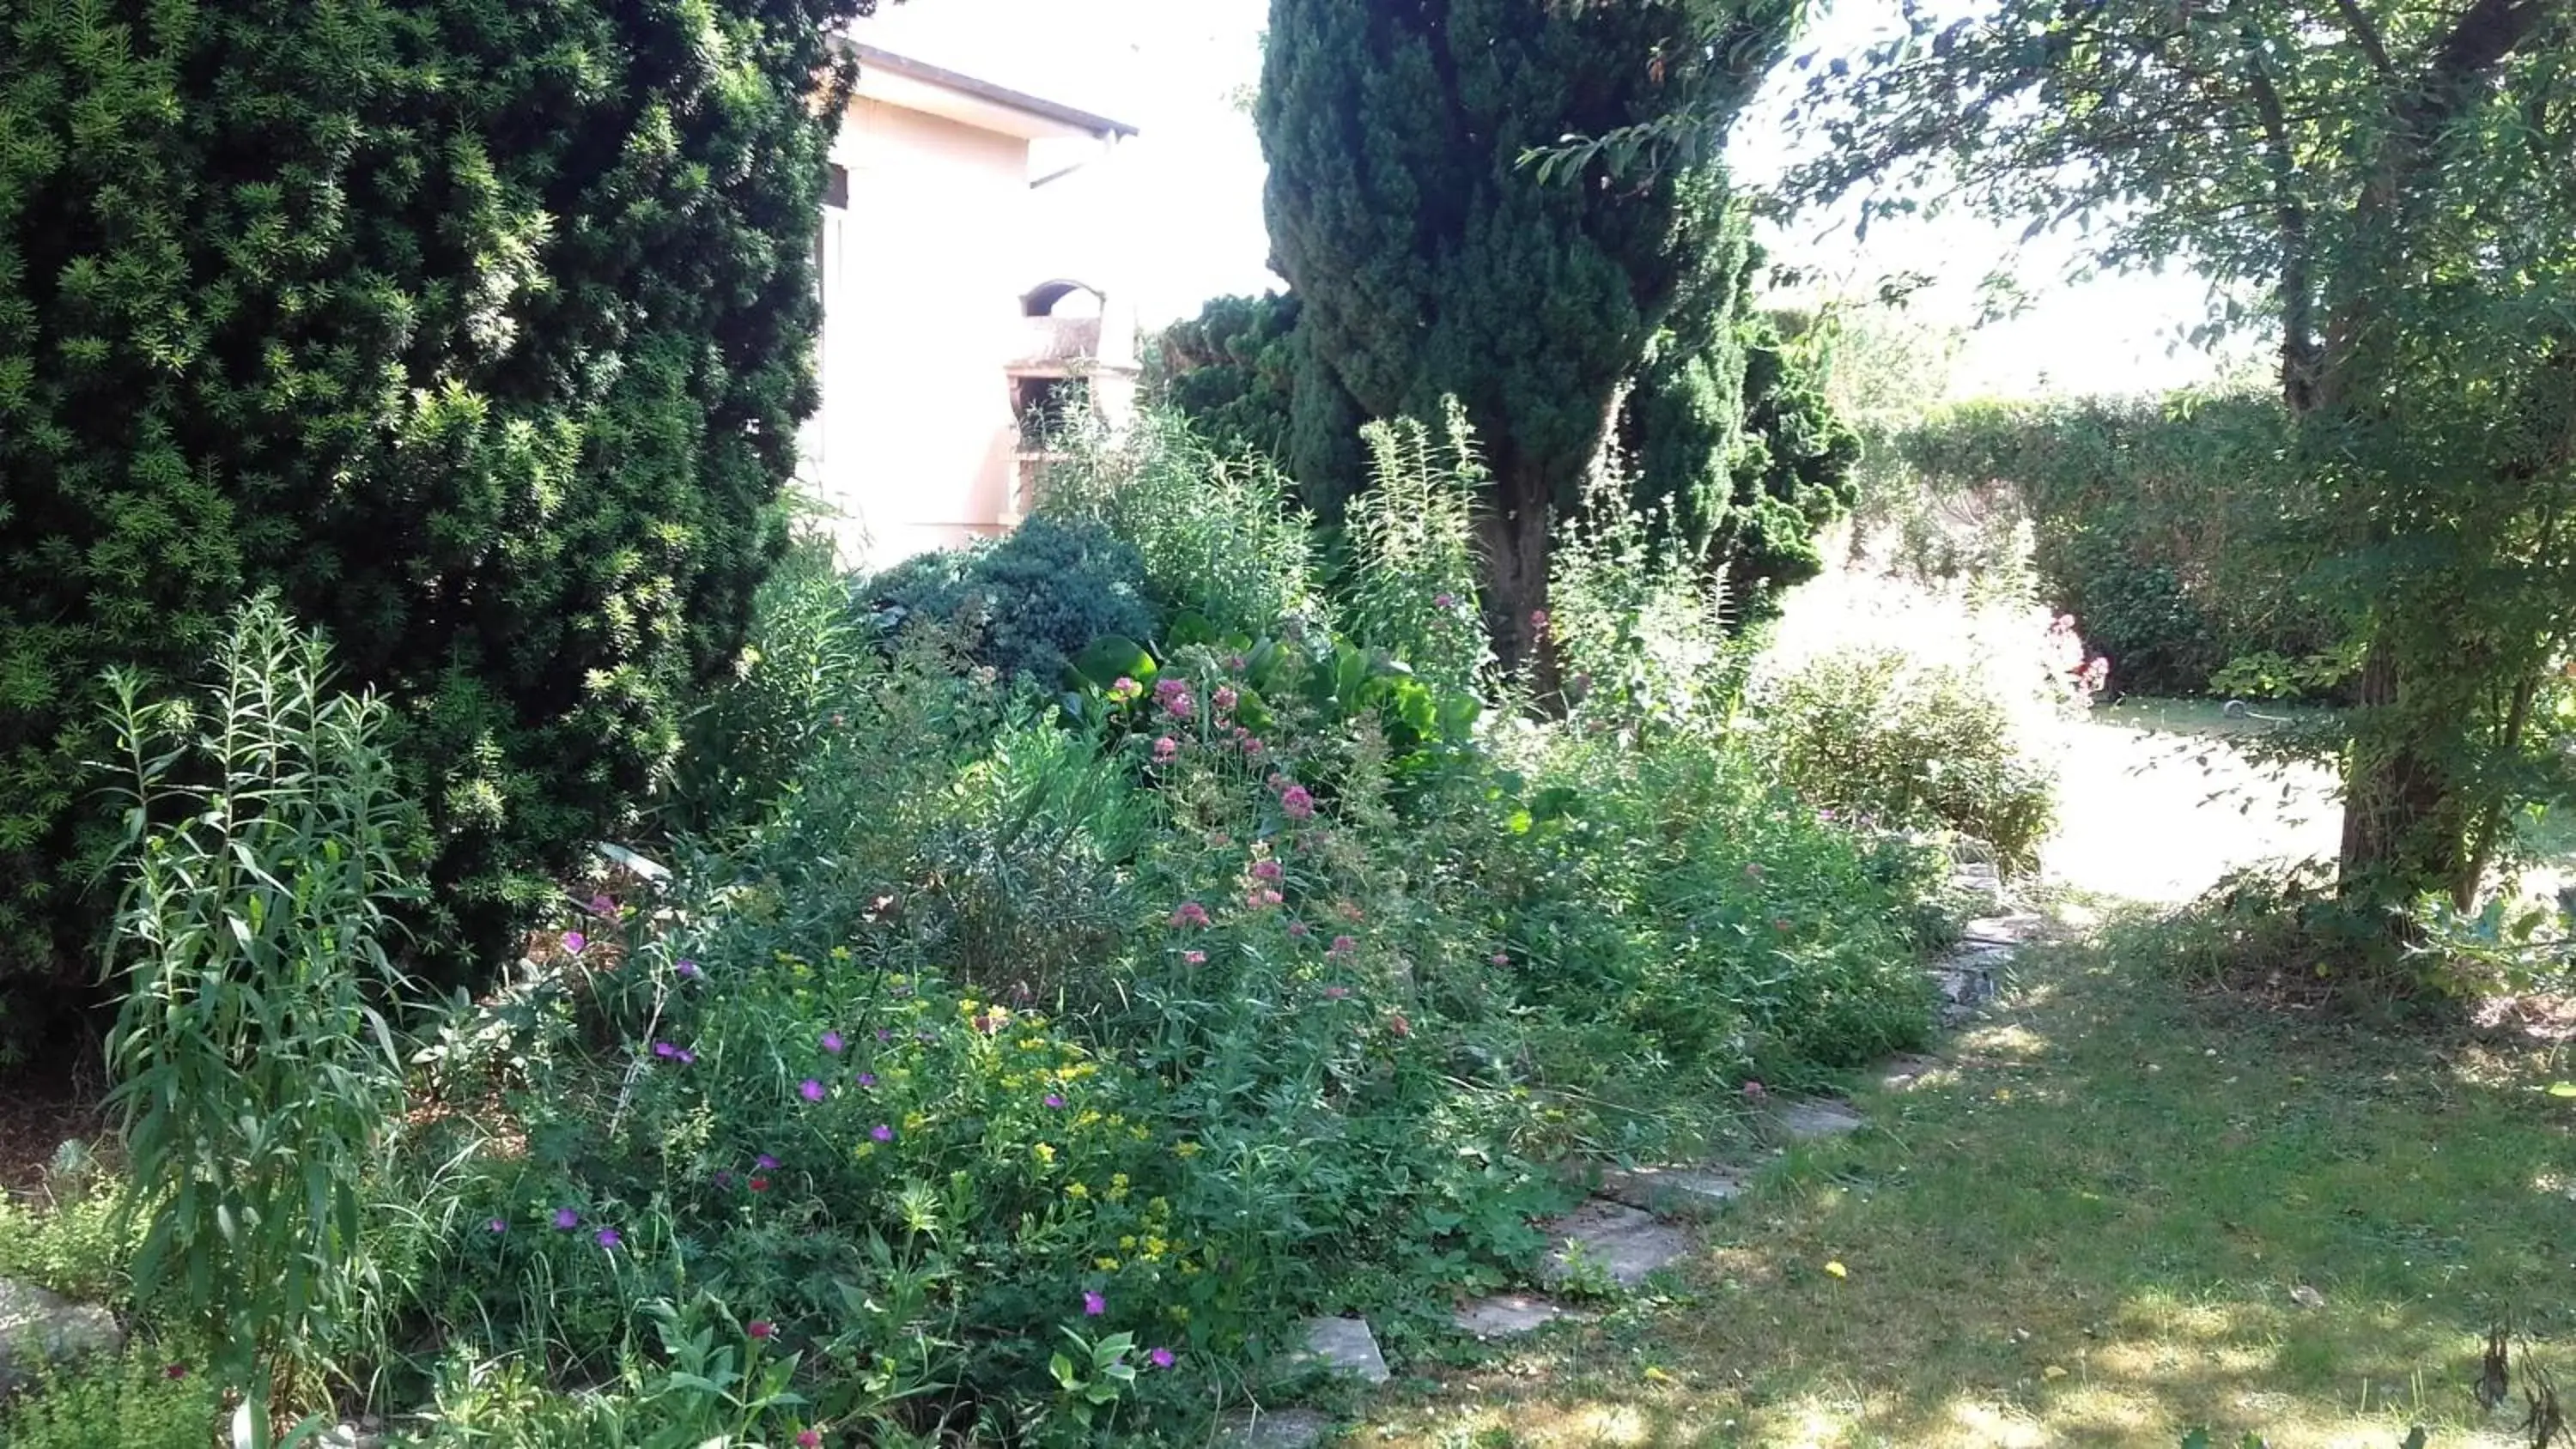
[
  {"x": 881, "y": 1132},
  {"x": 811, "y": 1090},
  {"x": 499, "y": 1225},
  {"x": 832, "y": 1042},
  {"x": 1342, "y": 946},
  {"x": 573, "y": 941},
  {"x": 1444, "y": 601},
  {"x": 1165, "y": 748},
  {"x": 724, "y": 1177},
  {"x": 1054, "y": 1100},
  {"x": 1266, "y": 870},
  {"x": 1093, "y": 1305},
  {"x": 687, "y": 1057},
  {"x": 608, "y": 1238},
  {"x": 688, "y": 969},
  {"x": 601, "y": 905},
  {"x": 1299, "y": 804},
  {"x": 765, "y": 1162},
  {"x": 1160, "y": 1358},
  {"x": 665, "y": 1050},
  {"x": 884, "y": 1035},
  {"x": 867, "y": 1079},
  {"x": 567, "y": 1219}
]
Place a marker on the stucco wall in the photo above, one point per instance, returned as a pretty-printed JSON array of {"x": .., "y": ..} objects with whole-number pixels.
[{"x": 921, "y": 308}]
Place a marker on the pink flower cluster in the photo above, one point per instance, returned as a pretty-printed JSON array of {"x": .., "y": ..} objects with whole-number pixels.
[{"x": 1174, "y": 696}]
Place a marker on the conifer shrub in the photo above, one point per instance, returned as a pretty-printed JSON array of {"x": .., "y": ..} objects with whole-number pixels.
[{"x": 477, "y": 330}]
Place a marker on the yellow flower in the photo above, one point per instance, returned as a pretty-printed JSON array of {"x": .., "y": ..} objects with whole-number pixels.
[
  {"x": 1837, "y": 1270},
  {"x": 1105, "y": 1265},
  {"x": 1158, "y": 1207},
  {"x": 1180, "y": 1312},
  {"x": 1155, "y": 1248},
  {"x": 1076, "y": 1190},
  {"x": 1185, "y": 1150},
  {"x": 1127, "y": 1244},
  {"x": 1013, "y": 1084},
  {"x": 914, "y": 1121},
  {"x": 1045, "y": 1153},
  {"x": 866, "y": 1149},
  {"x": 1139, "y": 1133}
]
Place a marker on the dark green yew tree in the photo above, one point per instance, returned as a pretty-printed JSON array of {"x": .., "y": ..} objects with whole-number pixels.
[
  {"x": 478, "y": 328},
  {"x": 1429, "y": 262}
]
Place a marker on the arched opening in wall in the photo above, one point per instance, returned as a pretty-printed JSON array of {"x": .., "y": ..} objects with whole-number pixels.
[{"x": 1061, "y": 298}]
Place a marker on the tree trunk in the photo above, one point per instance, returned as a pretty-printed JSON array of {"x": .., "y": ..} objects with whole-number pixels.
[
  {"x": 2401, "y": 835},
  {"x": 1512, "y": 531}
]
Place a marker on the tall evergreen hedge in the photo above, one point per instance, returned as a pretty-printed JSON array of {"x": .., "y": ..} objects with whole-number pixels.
[{"x": 477, "y": 328}]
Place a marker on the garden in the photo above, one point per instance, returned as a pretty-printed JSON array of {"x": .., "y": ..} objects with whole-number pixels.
[{"x": 511, "y": 934}]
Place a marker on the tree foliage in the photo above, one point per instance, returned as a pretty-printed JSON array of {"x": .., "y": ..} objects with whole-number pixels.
[
  {"x": 1429, "y": 264},
  {"x": 477, "y": 329},
  {"x": 2388, "y": 185}
]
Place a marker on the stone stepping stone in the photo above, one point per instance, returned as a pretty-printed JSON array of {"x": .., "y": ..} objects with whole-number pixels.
[
  {"x": 2012, "y": 929},
  {"x": 40, "y": 1328},
  {"x": 1904, "y": 1071},
  {"x": 1680, "y": 1191},
  {"x": 1505, "y": 1315},
  {"x": 1618, "y": 1242},
  {"x": 1977, "y": 877},
  {"x": 1811, "y": 1119},
  {"x": 1275, "y": 1429},
  {"x": 1345, "y": 1347}
]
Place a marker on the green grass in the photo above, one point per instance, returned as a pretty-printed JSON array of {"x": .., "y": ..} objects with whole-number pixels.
[
  {"x": 2206, "y": 717},
  {"x": 2088, "y": 1231}
]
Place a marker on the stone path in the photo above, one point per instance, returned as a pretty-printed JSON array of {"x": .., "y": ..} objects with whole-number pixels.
[{"x": 1630, "y": 1229}]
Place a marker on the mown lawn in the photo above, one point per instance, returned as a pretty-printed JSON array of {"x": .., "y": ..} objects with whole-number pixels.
[{"x": 2097, "y": 1227}]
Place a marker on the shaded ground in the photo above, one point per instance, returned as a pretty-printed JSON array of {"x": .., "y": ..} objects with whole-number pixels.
[{"x": 2101, "y": 1225}]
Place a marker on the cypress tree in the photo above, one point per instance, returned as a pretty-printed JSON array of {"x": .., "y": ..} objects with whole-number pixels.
[
  {"x": 1428, "y": 260},
  {"x": 478, "y": 329}
]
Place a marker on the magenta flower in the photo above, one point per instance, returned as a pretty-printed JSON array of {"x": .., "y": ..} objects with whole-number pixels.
[
  {"x": 567, "y": 1219},
  {"x": 687, "y": 1058},
  {"x": 1093, "y": 1305},
  {"x": 1165, "y": 748},
  {"x": 1342, "y": 946},
  {"x": 1190, "y": 913},
  {"x": 1300, "y": 929},
  {"x": 665, "y": 1050},
  {"x": 1502, "y": 958},
  {"x": 601, "y": 905},
  {"x": 1538, "y": 620},
  {"x": 1267, "y": 870},
  {"x": 573, "y": 941},
  {"x": 811, "y": 1090},
  {"x": 608, "y": 1238},
  {"x": 760, "y": 1328},
  {"x": 688, "y": 970},
  {"x": 1160, "y": 1358},
  {"x": 867, "y": 1079},
  {"x": 1444, "y": 601},
  {"x": 884, "y": 1035},
  {"x": 881, "y": 1132},
  {"x": 809, "y": 1439},
  {"x": 1337, "y": 993},
  {"x": 499, "y": 1225},
  {"x": 1123, "y": 689},
  {"x": 1297, "y": 802},
  {"x": 1055, "y": 1100},
  {"x": 1225, "y": 698},
  {"x": 1194, "y": 958},
  {"x": 765, "y": 1162},
  {"x": 832, "y": 1042},
  {"x": 1252, "y": 747}
]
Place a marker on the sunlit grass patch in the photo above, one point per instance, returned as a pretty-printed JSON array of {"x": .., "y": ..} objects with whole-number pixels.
[{"x": 2127, "y": 1210}]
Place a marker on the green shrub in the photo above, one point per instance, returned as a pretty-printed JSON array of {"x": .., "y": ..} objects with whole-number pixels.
[
  {"x": 132, "y": 1402},
  {"x": 78, "y": 1246},
  {"x": 252, "y": 1069},
  {"x": 1218, "y": 533},
  {"x": 1409, "y": 581},
  {"x": 1028, "y": 602},
  {"x": 479, "y": 331},
  {"x": 1868, "y": 731}
]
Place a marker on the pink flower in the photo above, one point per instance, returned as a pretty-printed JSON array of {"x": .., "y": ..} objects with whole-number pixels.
[
  {"x": 601, "y": 905},
  {"x": 809, "y": 1439},
  {"x": 1538, "y": 620},
  {"x": 573, "y": 941},
  {"x": 1190, "y": 913},
  {"x": 1252, "y": 747},
  {"x": 1165, "y": 748},
  {"x": 1093, "y": 1305},
  {"x": 1444, "y": 601},
  {"x": 1396, "y": 1024},
  {"x": 1300, "y": 929},
  {"x": 1123, "y": 688},
  {"x": 1351, "y": 912},
  {"x": 1055, "y": 1101},
  {"x": 1781, "y": 923},
  {"x": 1194, "y": 958},
  {"x": 881, "y": 1132},
  {"x": 1160, "y": 1358},
  {"x": 1225, "y": 698},
  {"x": 760, "y": 1328},
  {"x": 1337, "y": 993},
  {"x": 1261, "y": 900},
  {"x": 1299, "y": 804},
  {"x": 1266, "y": 870},
  {"x": 1342, "y": 946},
  {"x": 758, "y": 1184},
  {"x": 833, "y": 1043},
  {"x": 1235, "y": 662},
  {"x": 811, "y": 1090},
  {"x": 1755, "y": 1091},
  {"x": 1502, "y": 958}
]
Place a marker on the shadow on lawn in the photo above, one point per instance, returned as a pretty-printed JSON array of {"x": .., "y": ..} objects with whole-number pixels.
[{"x": 2124, "y": 1211}]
